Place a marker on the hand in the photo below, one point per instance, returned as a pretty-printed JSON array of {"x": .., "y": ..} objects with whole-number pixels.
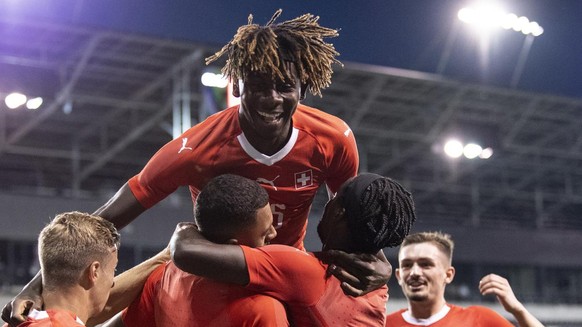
[
  {"x": 495, "y": 284},
  {"x": 16, "y": 311},
  {"x": 359, "y": 273},
  {"x": 185, "y": 226}
]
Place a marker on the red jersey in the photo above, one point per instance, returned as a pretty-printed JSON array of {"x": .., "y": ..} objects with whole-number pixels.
[
  {"x": 321, "y": 149},
  {"x": 174, "y": 298},
  {"x": 476, "y": 316},
  {"x": 52, "y": 318},
  {"x": 298, "y": 279}
]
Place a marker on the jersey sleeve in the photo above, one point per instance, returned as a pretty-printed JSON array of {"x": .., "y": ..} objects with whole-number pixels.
[
  {"x": 141, "y": 311},
  {"x": 344, "y": 158},
  {"x": 163, "y": 174},
  {"x": 490, "y": 318},
  {"x": 285, "y": 273}
]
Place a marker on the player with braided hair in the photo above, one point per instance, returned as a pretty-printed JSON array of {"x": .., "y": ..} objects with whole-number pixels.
[
  {"x": 290, "y": 148},
  {"x": 298, "y": 278}
]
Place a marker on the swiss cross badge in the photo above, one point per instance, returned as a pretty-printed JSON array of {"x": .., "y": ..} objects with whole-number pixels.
[{"x": 303, "y": 179}]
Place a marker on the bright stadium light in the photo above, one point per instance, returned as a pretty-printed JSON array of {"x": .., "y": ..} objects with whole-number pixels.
[
  {"x": 214, "y": 80},
  {"x": 472, "y": 150},
  {"x": 34, "y": 103},
  {"x": 15, "y": 100},
  {"x": 453, "y": 148},
  {"x": 486, "y": 153},
  {"x": 486, "y": 16}
]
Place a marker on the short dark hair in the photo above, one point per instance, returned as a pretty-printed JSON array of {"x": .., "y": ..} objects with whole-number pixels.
[
  {"x": 227, "y": 204},
  {"x": 380, "y": 212}
]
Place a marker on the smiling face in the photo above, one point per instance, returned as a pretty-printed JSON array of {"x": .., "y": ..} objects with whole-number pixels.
[
  {"x": 266, "y": 109},
  {"x": 423, "y": 274}
]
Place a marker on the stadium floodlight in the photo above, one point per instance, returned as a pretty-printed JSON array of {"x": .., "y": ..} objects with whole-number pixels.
[
  {"x": 486, "y": 16},
  {"x": 486, "y": 153},
  {"x": 15, "y": 100},
  {"x": 472, "y": 150},
  {"x": 34, "y": 103},
  {"x": 214, "y": 80},
  {"x": 453, "y": 148}
]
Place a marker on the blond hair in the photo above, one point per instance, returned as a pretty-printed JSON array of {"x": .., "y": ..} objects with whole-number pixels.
[
  {"x": 263, "y": 49},
  {"x": 70, "y": 242},
  {"x": 442, "y": 240}
]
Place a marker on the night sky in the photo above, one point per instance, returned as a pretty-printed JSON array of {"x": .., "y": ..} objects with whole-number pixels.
[{"x": 408, "y": 34}]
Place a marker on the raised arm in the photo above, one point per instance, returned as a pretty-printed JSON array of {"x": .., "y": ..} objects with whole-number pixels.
[
  {"x": 122, "y": 208},
  {"x": 499, "y": 286},
  {"x": 192, "y": 253},
  {"x": 128, "y": 285}
]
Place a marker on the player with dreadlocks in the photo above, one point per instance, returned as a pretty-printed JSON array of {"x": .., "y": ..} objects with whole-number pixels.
[
  {"x": 290, "y": 148},
  {"x": 370, "y": 212}
]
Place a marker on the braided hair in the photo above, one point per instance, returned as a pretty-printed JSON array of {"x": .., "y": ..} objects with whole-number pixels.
[
  {"x": 264, "y": 49},
  {"x": 380, "y": 212}
]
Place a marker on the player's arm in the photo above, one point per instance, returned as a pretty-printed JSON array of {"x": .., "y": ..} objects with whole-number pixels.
[
  {"x": 16, "y": 311},
  {"x": 499, "y": 286},
  {"x": 128, "y": 285},
  {"x": 116, "y": 321},
  {"x": 359, "y": 273},
  {"x": 194, "y": 254},
  {"x": 122, "y": 208}
]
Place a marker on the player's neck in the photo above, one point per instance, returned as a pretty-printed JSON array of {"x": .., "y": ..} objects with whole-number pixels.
[
  {"x": 426, "y": 309},
  {"x": 69, "y": 299}
]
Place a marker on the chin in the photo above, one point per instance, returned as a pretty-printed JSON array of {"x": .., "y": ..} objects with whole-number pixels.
[{"x": 417, "y": 297}]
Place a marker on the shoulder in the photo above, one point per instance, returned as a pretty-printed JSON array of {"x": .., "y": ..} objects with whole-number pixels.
[
  {"x": 397, "y": 315},
  {"x": 225, "y": 119},
  {"x": 285, "y": 259},
  {"x": 317, "y": 122},
  {"x": 487, "y": 316}
]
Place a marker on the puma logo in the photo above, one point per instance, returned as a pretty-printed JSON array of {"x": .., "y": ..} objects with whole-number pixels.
[
  {"x": 347, "y": 131},
  {"x": 266, "y": 181},
  {"x": 184, "y": 147}
]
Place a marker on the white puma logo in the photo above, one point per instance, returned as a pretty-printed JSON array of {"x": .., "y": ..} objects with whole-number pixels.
[
  {"x": 347, "y": 131},
  {"x": 266, "y": 181},
  {"x": 184, "y": 147}
]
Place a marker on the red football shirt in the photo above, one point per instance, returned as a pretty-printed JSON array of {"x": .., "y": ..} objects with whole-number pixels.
[
  {"x": 52, "y": 318},
  {"x": 321, "y": 150},
  {"x": 298, "y": 279},
  {"x": 476, "y": 316},
  {"x": 174, "y": 298}
]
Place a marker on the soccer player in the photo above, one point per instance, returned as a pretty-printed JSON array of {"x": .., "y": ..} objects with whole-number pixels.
[
  {"x": 229, "y": 209},
  {"x": 289, "y": 148},
  {"x": 78, "y": 256},
  {"x": 369, "y": 213},
  {"x": 425, "y": 270}
]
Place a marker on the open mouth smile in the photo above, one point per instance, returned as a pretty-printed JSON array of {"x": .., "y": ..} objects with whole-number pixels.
[{"x": 270, "y": 117}]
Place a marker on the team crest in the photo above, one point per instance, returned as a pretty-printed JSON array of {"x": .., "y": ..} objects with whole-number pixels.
[{"x": 303, "y": 179}]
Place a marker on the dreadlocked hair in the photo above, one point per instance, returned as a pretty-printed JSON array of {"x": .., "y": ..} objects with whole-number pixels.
[
  {"x": 386, "y": 217},
  {"x": 264, "y": 49}
]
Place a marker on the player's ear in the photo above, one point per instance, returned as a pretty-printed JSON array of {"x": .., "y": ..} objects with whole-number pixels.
[
  {"x": 235, "y": 88},
  {"x": 90, "y": 275},
  {"x": 397, "y": 273},
  {"x": 449, "y": 274}
]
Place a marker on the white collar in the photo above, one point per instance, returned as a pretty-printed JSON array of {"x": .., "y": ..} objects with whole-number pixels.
[
  {"x": 263, "y": 158},
  {"x": 38, "y": 315},
  {"x": 407, "y": 316}
]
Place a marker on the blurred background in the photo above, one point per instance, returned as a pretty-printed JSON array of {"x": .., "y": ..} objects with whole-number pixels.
[{"x": 477, "y": 109}]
